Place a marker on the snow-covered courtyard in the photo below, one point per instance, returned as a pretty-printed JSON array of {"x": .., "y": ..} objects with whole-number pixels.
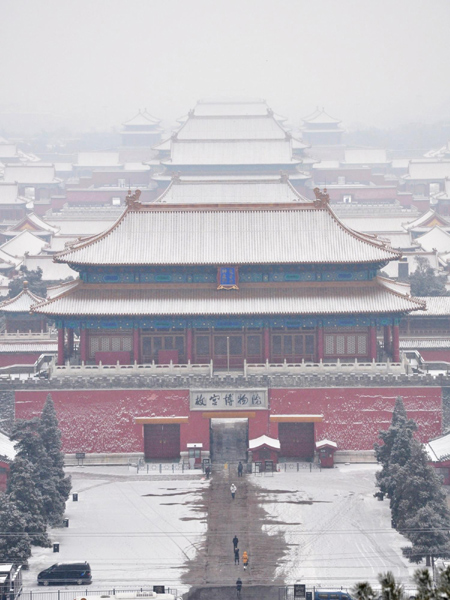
[{"x": 136, "y": 530}]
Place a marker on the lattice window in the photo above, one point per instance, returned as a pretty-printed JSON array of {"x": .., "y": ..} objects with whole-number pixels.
[
  {"x": 115, "y": 344},
  {"x": 329, "y": 344},
  {"x": 340, "y": 344},
  {"x": 351, "y": 344},
  {"x": 104, "y": 344},
  {"x": 362, "y": 345},
  {"x": 127, "y": 344},
  {"x": 94, "y": 345}
]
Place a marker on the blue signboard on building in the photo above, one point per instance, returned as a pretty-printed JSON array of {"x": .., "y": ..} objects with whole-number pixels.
[{"x": 227, "y": 278}]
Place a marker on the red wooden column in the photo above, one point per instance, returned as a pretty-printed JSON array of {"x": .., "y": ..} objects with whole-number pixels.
[
  {"x": 266, "y": 342},
  {"x": 69, "y": 342},
  {"x": 373, "y": 342},
  {"x": 60, "y": 360},
  {"x": 189, "y": 343},
  {"x": 395, "y": 343},
  {"x": 387, "y": 338},
  {"x": 136, "y": 353},
  {"x": 83, "y": 345},
  {"x": 320, "y": 342}
]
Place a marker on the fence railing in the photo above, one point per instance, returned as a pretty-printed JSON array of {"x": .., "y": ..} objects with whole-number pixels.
[
  {"x": 266, "y": 368},
  {"x": 70, "y": 594}
]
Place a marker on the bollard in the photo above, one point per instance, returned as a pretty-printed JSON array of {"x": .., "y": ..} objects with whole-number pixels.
[
  {"x": 75, "y": 497},
  {"x": 65, "y": 522},
  {"x": 147, "y": 467},
  {"x": 56, "y": 547},
  {"x": 160, "y": 467}
]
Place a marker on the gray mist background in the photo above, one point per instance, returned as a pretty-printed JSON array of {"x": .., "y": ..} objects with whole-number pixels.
[{"x": 93, "y": 63}]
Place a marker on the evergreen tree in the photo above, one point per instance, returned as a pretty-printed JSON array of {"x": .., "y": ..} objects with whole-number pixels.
[
  {"x": 395, "y": 449},
  {"x": 35, "y": 283},
  {"x": 443, "y": 583},
  {"x": 428, "y": 532},
  {"x": 15, "y": 544},
  {"x": 28, "y": 500},
  {"x": 363, "y": 591},
  {"x": 47, "y": 479},
  {"x": 426, "y": 590},
  {"x": 418, "y": 486},
  {"x": 425, "y": 282},
  {"x": 390, "y": 589},
  {"x": 51, "y": 438}
]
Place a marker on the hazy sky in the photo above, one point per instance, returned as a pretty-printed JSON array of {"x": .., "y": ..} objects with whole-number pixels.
[{"x": 372, "y": 62}]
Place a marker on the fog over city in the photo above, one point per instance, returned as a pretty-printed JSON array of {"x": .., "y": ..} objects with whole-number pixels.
[{"x": 89, "y": 65}]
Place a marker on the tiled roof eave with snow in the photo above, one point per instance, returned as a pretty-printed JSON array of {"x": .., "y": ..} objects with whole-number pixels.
[
  {"x": 144, "y": 300},
  {"x": 216, "y": 234}
]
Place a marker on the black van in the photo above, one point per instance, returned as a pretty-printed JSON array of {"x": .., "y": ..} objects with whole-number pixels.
[{"x": 66, "y": 573}]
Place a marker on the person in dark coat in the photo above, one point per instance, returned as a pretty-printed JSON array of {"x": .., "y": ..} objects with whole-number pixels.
[
  {"x": 238, "y": 587},
  {"x": 235, "y": 542},
  {"x": 240, "y": 469},
  {"x": 236, "y": 556}
]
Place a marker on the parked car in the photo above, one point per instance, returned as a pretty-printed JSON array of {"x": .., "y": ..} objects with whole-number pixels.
[
  {"x": 320, "y": 594},
  {"x": 66, "y": 573}
]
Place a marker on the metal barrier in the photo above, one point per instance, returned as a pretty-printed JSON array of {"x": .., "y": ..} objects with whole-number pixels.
[{"x": 70, "y": 594}]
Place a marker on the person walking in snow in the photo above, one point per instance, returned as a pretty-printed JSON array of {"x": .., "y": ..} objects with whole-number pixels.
[
  {"x": 238, "y": 587},
  {"x": 235, "y": 542},
  {"x": 236, "y": 556},
  {"x": 240, "y": 469},
  {"x": 245, "y": 559},
  {"x": 233, "y": 490}
]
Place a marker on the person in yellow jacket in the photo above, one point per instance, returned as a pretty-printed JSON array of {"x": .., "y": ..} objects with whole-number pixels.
[{"x": 245, "y": 559}]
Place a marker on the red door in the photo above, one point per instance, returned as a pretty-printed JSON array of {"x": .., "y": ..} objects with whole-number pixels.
[
  {"x": 162, "y": 441},
  {"x": 296, "y": 440}
]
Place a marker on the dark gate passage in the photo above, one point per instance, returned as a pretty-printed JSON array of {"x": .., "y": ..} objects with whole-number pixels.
[
  {"x": 296, "y": 440},
  {"x": 162, "y": 441},
  {"x": 229, "y": 440}
]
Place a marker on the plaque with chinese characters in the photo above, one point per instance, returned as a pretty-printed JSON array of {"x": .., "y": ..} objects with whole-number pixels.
[
  {"x": 228, "y": 399},
  {"x": 227, "y": 278}
]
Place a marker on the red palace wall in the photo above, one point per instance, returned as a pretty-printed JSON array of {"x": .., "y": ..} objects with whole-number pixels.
[
  {"x": 18, "y": 359},
  {"x": 442, "y": 354},
  {"x": 103, "y": 420}
]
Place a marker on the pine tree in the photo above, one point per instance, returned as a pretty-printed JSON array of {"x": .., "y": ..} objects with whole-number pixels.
[
  {"x": 363, "y": 591},
  {"x": 443, "y": 583},
  {"x": 15, "y": 544},
  {"x": 51, "y": 438},
  {"x": 395, "y": 449},
  {"x": 426, "y": 590},
  {"x": 425, "y": 282},
  {"x": 28, "y": 500},
  {"x": 390, "y": 589}
]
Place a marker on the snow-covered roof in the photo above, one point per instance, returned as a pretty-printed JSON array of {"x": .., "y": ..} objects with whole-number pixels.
[
  {"x": 325, "y": 442},
  {"x": 325, "y": 298},
  {"x": 427, "y": 219},
  {"x": 76, "y": 228},
  {"x": 376, "y": 224},
  {"x": 439, "y": 448},
  {"x": 240, "y": 152},
  {"x": 98, "y": 159},
  {"x": 320, "y": 117},
  {"x": 365, "y": 156},
  {"x": 23, "y": 347},
  {"x": 33, "y": 223},
  {"x": 231, "y": 128},
  {"x": 437, "y": 306},
  {"x": 30, "y": 173},
  {"x": 231, "y": 191},
  {"x": 428, "y": 169},
  {"x": 418, "y": 343},
  {"x": 21, "y": 303},
  {"x": 435, "y": 239},
  {"x": 9, "y": 194},
  {"x": 231, "y": 107},
  {"x": 142, "y": 119},
  {"x": 7, "y": 449},
  {"x": 263, "y": 440},
  {"x": 160, "y": 234},
  {"x": 8, "y": 150},
  {"x": 51, "y": 271},
  {"x": 24, "y": 242}
]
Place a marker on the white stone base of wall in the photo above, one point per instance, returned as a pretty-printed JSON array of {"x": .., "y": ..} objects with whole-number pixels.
[
  {"x": 354, "y": 456},
  {"x": 124, "y": 458}
]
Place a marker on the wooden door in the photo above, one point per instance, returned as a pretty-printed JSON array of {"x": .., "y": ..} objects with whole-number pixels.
[
  {"x": 162, "y": 441},
  {"x": 296, "y": 440}
]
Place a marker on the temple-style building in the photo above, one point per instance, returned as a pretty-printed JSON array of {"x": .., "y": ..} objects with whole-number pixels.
[
  {"x": 230, "y": 138},
  {"x": 262, "y": 281}
]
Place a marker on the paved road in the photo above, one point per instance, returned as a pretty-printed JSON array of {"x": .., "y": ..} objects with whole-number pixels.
[{"x": 214, "y": 566}]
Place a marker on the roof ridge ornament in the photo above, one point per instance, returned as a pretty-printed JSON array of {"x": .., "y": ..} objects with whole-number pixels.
[
  {"x": 322, "y": 198},
  {"x": 132, "y": 200}
]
